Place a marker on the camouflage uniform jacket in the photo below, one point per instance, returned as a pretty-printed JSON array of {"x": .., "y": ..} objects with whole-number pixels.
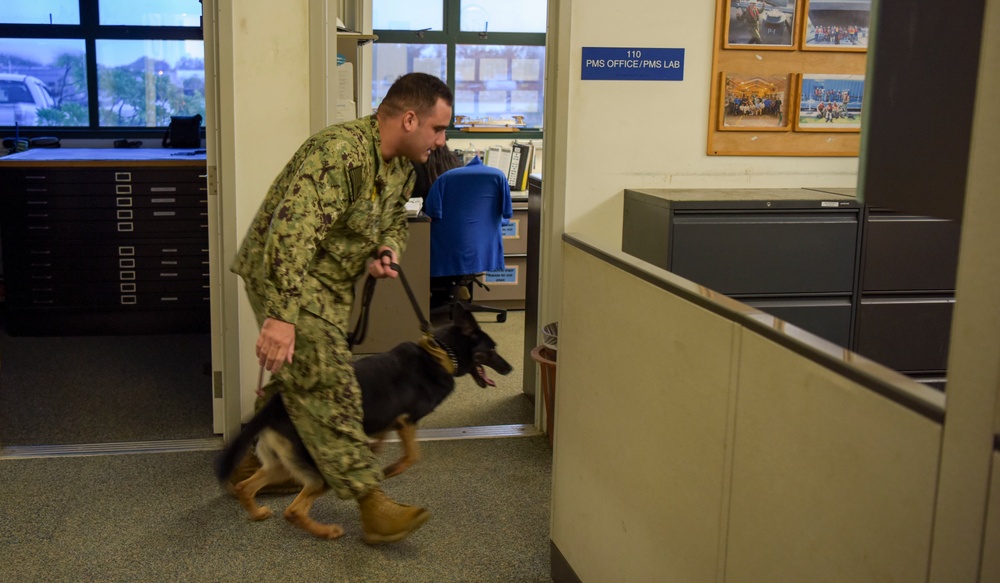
[{"x": 334, "y": 203}]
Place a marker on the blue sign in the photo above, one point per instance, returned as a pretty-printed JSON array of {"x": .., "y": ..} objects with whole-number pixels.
[{"x": 622, "y": 64}]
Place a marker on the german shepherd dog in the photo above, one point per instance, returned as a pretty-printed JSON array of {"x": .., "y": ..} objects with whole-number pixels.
[{"x": 398, "y": 389}]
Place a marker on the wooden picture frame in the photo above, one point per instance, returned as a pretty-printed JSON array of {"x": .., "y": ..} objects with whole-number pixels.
[
  {"x": 754, "y": 102},
  {"x": 829, "y": 103},
  {"x": 777, "y": 27},
  {"x": 835, "y": 25}
]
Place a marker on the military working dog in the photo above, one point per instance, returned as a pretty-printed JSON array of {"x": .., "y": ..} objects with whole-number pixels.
[{"x": 398, "y": 389}]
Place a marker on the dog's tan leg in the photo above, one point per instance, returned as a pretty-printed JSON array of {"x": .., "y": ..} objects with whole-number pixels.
[
  {"x": 298, "y": 513},
  {"x": 246, "y": 491},
  {"x": 411, "y": 450},
  {"x": 377, "y": 442}
]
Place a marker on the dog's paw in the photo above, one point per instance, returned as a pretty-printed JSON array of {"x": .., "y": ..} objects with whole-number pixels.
[
  {"x": 395, "y": 469},
  {"x": 330, "y": 532},
  {"x": 260, "y": 513}
]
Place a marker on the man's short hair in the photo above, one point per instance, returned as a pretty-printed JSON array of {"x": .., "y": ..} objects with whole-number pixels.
[{"x": 415, "y": 91}]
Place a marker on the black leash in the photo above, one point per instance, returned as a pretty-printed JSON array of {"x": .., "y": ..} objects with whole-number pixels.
[{"x": 357, "y": 336}]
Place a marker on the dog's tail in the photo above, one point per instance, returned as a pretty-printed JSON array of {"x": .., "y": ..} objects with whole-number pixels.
[{"x": 227, "y": 462}]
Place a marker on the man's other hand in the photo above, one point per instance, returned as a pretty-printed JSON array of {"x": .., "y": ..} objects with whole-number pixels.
[{"x": 276, "y": 344}]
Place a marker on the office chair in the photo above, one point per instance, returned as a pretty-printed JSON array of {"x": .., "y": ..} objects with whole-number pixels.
[{"x": 467, "y": 207}]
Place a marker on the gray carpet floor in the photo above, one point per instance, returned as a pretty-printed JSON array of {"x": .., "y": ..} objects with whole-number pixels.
[
  {"x": 108, "y": 389},
  {"x": 162, "y": 517}
]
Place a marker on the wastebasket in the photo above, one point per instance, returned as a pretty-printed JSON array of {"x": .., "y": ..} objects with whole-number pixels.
[{"x": 545, "y": 355}]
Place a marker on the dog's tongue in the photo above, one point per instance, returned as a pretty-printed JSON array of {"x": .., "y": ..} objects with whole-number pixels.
[{"x": 482, "y": 374}]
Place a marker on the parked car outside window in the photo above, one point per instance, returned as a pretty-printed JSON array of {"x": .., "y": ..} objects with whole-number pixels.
[{"x": 21, "y": 96}]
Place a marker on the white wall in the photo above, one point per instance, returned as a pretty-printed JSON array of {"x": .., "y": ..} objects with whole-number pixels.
[
  {"x": 626, "y": 134},
  {"x": 263, "y": 116}
]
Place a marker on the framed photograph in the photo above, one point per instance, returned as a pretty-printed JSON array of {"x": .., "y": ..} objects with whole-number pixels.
[
  {"x": 836, "y": 25},
  {"x": 830, "y": 103},
  {"x": 760, "y": 24},
  {"x": 751, "y": 102}
]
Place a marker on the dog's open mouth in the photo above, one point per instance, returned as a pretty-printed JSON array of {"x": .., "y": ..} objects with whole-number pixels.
[{"x": 481, "y": 378}]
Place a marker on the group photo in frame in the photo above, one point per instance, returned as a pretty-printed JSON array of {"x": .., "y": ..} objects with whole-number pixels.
[
  {"x": 761, "y": 24},
  {"x": 836, "y": 25},
  {"x": 830, "y": 103},
  {"x": 752, "y": 102}
]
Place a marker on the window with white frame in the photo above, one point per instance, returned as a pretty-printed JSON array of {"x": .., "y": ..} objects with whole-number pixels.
[
  {"x": 490, "y": 52},
  {"x": 100, "y": 64}
]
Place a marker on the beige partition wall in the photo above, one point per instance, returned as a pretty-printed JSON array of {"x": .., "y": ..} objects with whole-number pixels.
[
  {"x": 699, "y": 440},
  {"x": 828, "y": 476},
  {"x": 640, "y": 428}
]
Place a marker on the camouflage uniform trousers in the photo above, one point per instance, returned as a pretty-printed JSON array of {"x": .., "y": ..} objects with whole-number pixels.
[{"x": 323, "y": 399}]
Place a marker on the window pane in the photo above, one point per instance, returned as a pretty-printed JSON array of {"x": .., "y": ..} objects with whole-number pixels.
[
  {"x": 392, "y": 60},
  {"x": 151, "y": 12},
  {"x": 496, "y": 81},
  {"x": 144, "y": 82},
  {"x": 44, "y": 82},
  {"x": 407, "y": 14},
  {"x": 39, "y": 12},
  {"x": 503, "y": 15}
]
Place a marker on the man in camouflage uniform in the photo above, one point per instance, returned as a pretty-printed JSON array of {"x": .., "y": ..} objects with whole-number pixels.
[{"x": 339, "y": 199}]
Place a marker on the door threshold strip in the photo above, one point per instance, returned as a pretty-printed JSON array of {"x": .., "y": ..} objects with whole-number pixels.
[
  {"x": 118, "y": 448},
  {"x": 215, "y": 443}
]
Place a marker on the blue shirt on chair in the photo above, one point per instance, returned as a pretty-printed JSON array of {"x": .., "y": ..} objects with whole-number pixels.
[{"x": 467, "y": 207}]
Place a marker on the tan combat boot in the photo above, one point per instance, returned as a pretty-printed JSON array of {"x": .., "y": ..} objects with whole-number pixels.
[{"x": 385, "y": 521}]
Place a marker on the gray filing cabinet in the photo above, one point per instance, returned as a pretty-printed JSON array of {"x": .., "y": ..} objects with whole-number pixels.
[
  {"x": 878, "y": 282},
  {"x": 789, "y": 252}
]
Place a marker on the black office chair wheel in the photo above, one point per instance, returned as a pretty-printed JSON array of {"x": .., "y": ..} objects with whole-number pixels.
[{"x": 502, "y": 317}]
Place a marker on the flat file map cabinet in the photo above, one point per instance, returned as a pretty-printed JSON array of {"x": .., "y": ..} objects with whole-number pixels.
[{"x": 105, "y": 241}]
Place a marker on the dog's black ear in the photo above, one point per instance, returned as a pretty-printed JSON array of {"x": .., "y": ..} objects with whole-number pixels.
[{"x": 465, "y": 320}]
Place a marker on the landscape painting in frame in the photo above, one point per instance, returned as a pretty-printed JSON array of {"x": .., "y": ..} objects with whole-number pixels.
[
  {"x": 830, "y": 103},
  {"x": 752, "y": 102},
  {"x": 760, "y": 24},
  {"x": 836, "y": 25}
]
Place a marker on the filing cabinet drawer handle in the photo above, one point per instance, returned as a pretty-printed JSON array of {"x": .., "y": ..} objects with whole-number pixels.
[
  {"x": 127, "y": 288},
  {"x": 41, "y": 277},
  {"x": 126, "y": 250},
  {"x": 163, "y": 189},
  {"x": 125, "y": 215},
  {"x": 164, "y": 213},
  {"x": 38, "y": 228},
  {"x": 168, "y": 299},
  {"x": 123, "y": 189},
  {"x": 128, "y": 300},
  {"x": 37, "y": 252},
  {"x": 126, "y": 263},
  {"x": 125, "y": 227},
  {"x": 168, "y": 200},
  {"x": 38, "y": 215},
  {"x": 126, "y": 275},
  {"x": 123, "y": 177},
  {"x": 123, "y": 201},
  {"x": 38, "y": 202},
  {"x": 42, "y": 302}
]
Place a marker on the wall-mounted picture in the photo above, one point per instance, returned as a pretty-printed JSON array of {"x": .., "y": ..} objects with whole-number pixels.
[
  {"x": 760, "y": 24},
  {"x": 836, "y": 25},
  {"x": 830, "y": 103},
  {"x": 754, "y": 102}
]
